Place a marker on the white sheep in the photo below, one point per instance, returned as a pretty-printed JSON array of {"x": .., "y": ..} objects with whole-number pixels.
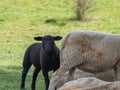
[
  {"x": 107, "y": 76},
  {"x": 90, "y": 83},
  {"x": 89, "y": 51}
]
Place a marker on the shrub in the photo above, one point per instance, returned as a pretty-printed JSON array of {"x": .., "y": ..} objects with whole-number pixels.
[{"x": 83, "y": 7}]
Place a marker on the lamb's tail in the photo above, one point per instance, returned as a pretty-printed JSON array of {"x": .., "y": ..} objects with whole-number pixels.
[{"x": 26, "y": 59}]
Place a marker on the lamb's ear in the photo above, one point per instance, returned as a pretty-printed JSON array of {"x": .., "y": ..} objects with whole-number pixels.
[
  {"x": 38, "y": 38},
  {"x": 57, "y": 38}
]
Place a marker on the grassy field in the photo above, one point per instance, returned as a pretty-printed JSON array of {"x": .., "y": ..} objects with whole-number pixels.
[{"x": 21, "y": 20}]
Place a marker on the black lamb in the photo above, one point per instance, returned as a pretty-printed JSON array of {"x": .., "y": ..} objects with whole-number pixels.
[{"x": 44, "y": 56}]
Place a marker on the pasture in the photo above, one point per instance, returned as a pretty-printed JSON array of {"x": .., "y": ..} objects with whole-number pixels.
[{"x": 21, "y": 20}]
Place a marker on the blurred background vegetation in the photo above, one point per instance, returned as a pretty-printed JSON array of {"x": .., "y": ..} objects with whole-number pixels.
[{"x": 21, "y": 20}]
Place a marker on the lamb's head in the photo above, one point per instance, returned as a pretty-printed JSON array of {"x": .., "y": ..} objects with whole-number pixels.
[{"x": 48, "y": 42}]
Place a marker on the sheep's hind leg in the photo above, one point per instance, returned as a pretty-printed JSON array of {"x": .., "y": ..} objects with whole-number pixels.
[
  {"x": 35, "y": 74},
  {"x": 117, "y": 71},
  {"x": 71, "y": 74},
  {"x": 118, "y": 74},
  {"x": 26, "y": 67},
  {"x": 55, "y": 78}
]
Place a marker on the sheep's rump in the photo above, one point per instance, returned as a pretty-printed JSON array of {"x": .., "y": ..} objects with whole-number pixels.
[{"x": 90, "y": 51}]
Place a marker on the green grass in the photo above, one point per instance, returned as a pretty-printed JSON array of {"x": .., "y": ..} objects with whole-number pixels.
[{"x": 21, "y": 20}]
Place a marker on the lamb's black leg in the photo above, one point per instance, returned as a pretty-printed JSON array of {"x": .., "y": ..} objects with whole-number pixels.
[
  {"x": 26, "y": 67},
  {"x": 46, "y": 77},
  {"x": 35, "y": 74}
]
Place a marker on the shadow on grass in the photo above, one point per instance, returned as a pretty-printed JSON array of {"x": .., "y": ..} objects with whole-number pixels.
[
  {"x": 55, "y": 21},
  {"x": 10, "y": 78},
  {"x": 74, "y": 19},
  {"x": 64, "y": 21}
]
